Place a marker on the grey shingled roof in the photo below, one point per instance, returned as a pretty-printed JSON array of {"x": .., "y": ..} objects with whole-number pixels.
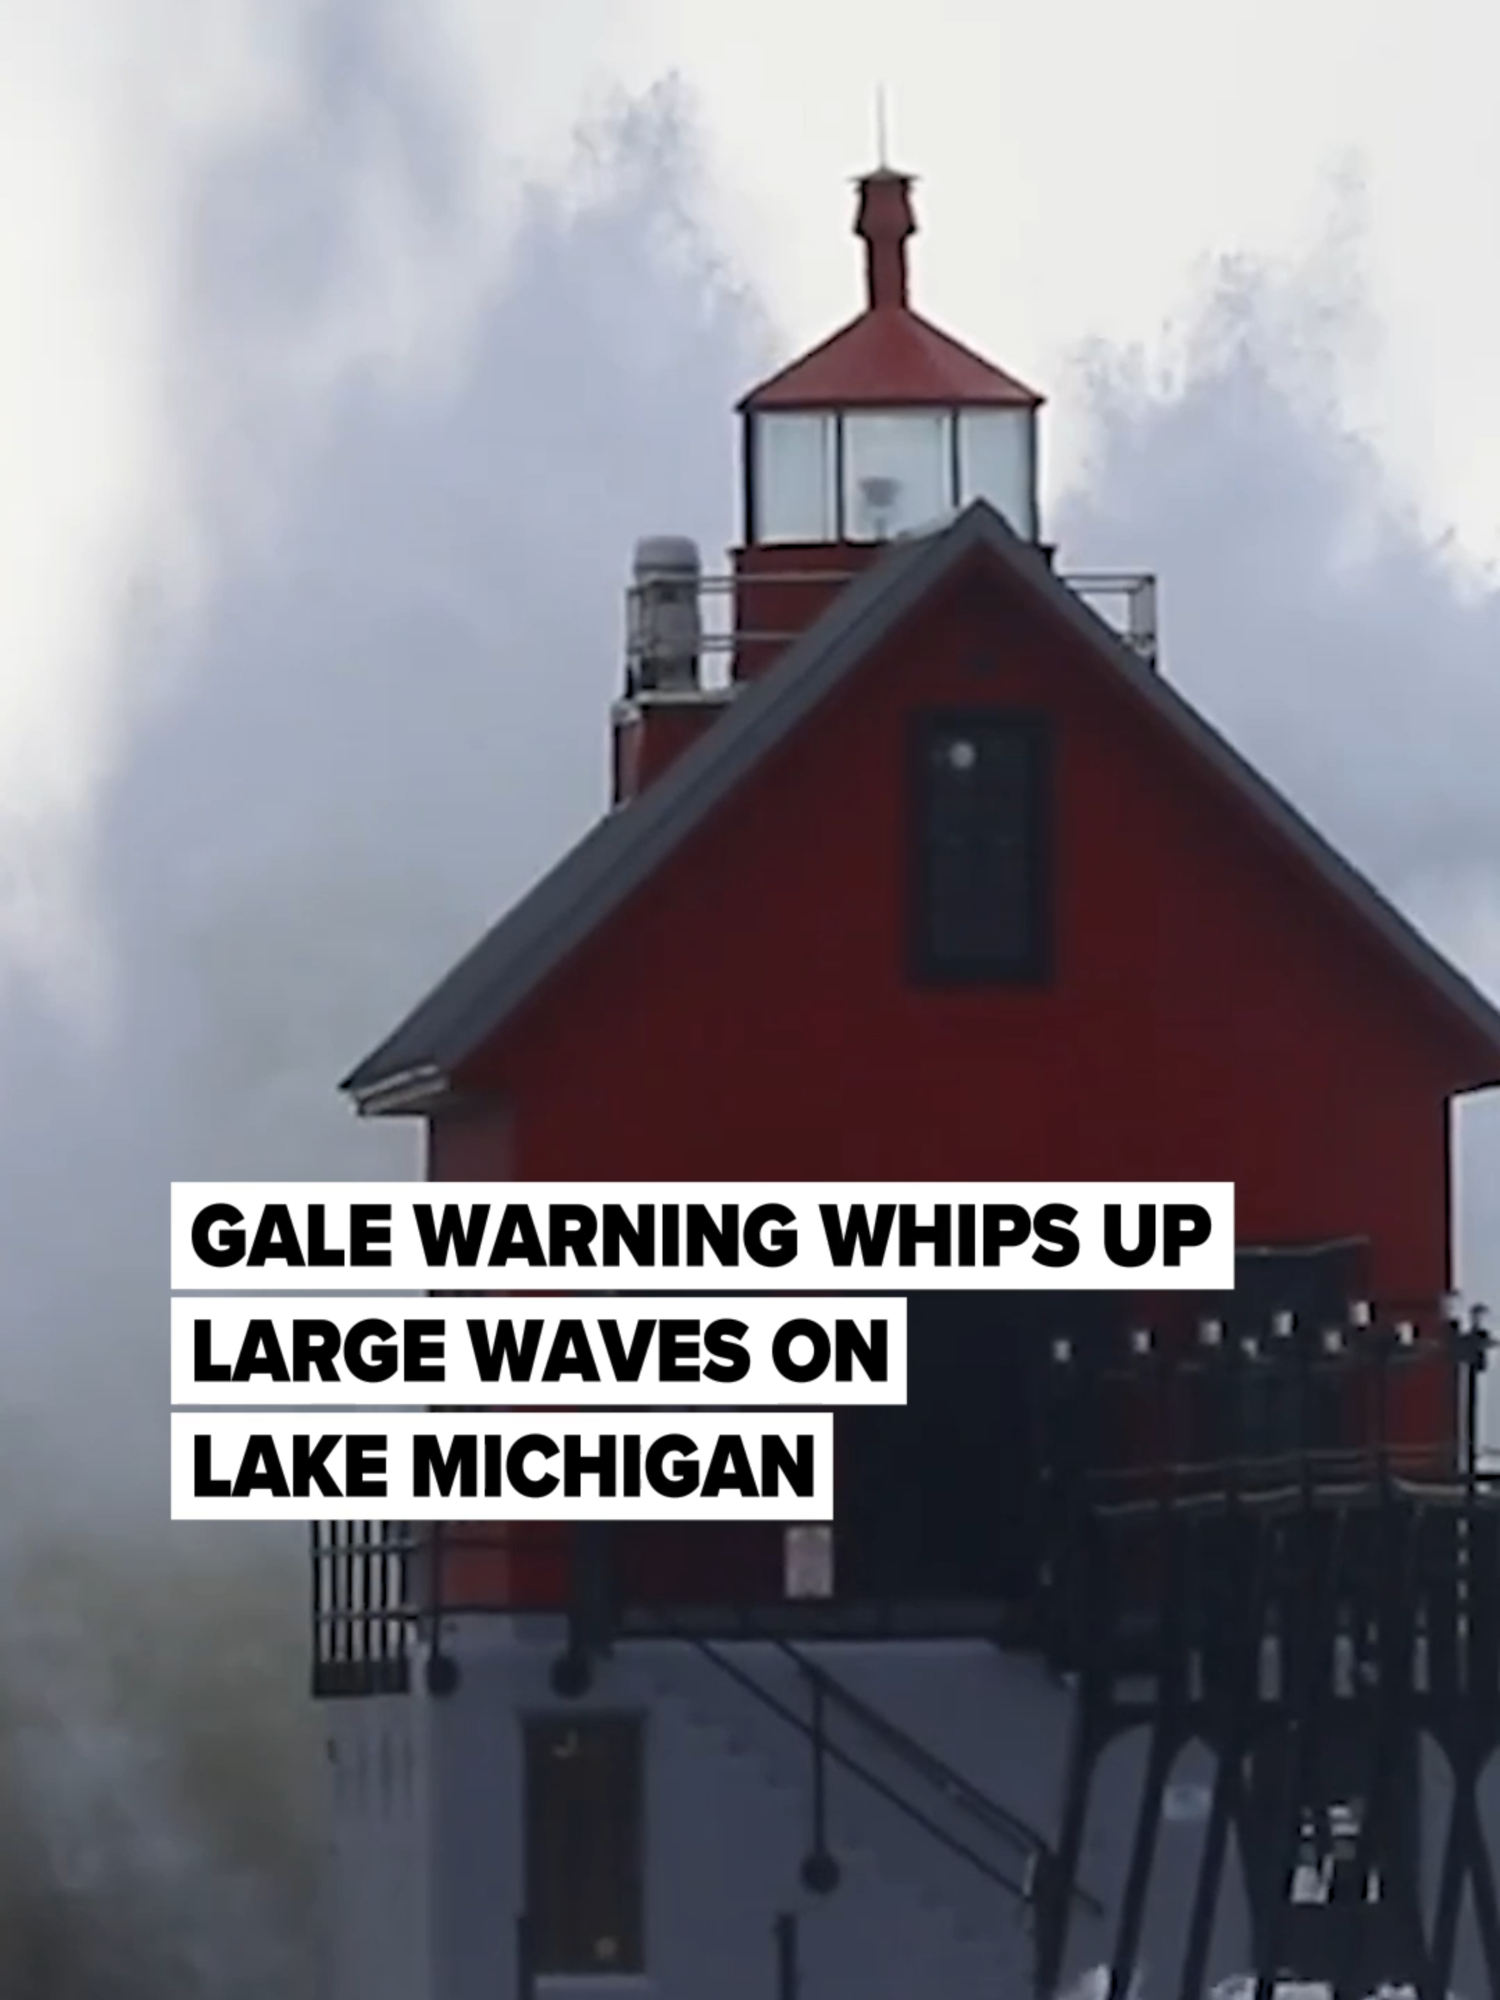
[{"x": 514, "y": 958}]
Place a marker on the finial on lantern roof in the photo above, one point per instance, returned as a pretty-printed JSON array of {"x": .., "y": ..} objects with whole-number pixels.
[{"x": 885, "y": 220}]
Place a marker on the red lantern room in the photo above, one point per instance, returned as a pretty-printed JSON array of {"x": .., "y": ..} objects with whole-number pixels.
[
  {"x": 887, "y": 427},
  {"x": 918, "y": 867},
  {"x": 890, "y": 425}
]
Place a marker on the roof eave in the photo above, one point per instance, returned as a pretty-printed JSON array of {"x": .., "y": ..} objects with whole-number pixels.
[
  {"x": 774, "y": 402},
  {"x": 407, "y": 1093}
]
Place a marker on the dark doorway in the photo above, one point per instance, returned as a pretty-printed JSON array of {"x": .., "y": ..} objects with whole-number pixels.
[{"x": 939, "y": 1500}]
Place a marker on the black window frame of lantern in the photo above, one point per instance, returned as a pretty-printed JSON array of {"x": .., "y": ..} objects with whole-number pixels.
[
  {"x": 584, "y": 1856},
  {"x": 957, "y": 446},
  {"x": 1032, "y": 963}
]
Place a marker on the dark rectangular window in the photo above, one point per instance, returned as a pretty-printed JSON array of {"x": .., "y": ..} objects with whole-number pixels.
[
  {"x": 981, "y": 865},
  {"x": 585, "y": 1838}
]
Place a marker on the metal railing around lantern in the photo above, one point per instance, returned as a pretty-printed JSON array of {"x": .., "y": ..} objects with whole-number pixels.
[{"x": 716, "y": 625}]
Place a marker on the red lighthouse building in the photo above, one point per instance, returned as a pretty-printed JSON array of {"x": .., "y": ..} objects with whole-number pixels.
[{"x": 918, "y": 867}]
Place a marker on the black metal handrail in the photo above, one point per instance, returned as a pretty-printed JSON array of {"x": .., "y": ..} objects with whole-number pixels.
[
  {"x": 1020, "y": 1889},
  {"x": 1344, "y": 1495},
  {"x": 954, "y": 1786},
  {"x": 1334, "y": 1461},
  {"x": 1040, "y": 1872}
]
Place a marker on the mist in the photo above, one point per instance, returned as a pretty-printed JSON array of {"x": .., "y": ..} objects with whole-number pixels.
[
  {"x": 370, "y": 714},
  {"x": 345, "y": 703},
  {"x": 1310, "y": 614}
]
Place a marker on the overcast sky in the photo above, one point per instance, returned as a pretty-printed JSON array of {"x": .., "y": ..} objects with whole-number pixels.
[{"x": 344, "y": 351}]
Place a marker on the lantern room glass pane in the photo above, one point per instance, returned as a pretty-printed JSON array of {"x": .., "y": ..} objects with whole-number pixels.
[
  {"x": 795, "y": 490},
  {"x": 898, "y": 472},
  {"x": 997, "y": 462}
]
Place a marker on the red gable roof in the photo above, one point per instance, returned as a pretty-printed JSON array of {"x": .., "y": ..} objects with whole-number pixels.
[
  {"x": 889, "y": 355},
  {"x": 417, "y": 1063}
]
